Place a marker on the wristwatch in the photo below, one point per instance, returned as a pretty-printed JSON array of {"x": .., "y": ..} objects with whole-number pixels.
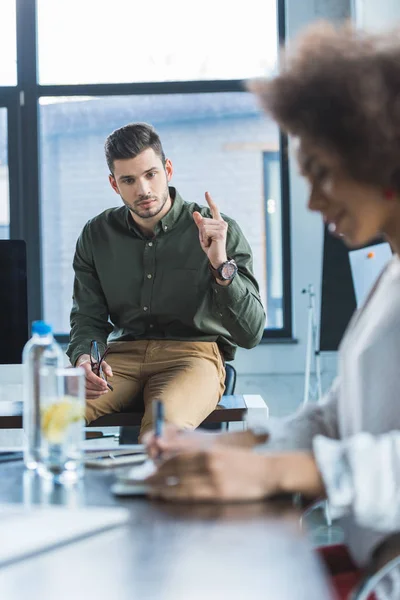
[{"x": 226, "y": 271}]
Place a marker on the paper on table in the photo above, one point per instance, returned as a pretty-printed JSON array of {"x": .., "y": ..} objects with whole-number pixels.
[
  {"x": 131, "y": 483},
  {"x": 91, "y": 448},
  {"x": 138, "y": 473},
  {"x": 25, "y": 532}
]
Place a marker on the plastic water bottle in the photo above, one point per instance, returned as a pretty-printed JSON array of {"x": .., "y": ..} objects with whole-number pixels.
[{"x": 41, "y": 350}]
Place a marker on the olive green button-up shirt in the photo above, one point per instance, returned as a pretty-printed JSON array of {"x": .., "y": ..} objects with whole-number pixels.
[{"x": 129, "y": 287}]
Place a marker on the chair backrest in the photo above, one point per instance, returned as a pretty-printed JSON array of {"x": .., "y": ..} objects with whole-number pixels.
[
  {"x": 230, "y": 380},
  {"x": 384, "y": 585}
]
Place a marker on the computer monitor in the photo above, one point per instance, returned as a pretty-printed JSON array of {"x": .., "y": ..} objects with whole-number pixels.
[{"x": 13, "y": 301}]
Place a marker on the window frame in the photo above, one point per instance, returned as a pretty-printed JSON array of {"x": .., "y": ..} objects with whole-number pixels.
[{"x": 25, "y": 221}]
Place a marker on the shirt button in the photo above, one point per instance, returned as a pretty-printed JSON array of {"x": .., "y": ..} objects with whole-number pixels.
[
  {"x": 150, "y": 244},
  {"x": 145, "y": 307},
  {"x": 151, "y": 325},
  {"x": 149, "y": 276},
  {"x": 165, "y": 227}
]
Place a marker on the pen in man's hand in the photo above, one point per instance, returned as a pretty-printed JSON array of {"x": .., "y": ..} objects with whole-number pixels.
[
  {"x": 96, "y": 361},
  {"x": 102, "y": 375}
]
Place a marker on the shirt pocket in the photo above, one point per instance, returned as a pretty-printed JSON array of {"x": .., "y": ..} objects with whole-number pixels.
[{"x": 178, "y": 295}]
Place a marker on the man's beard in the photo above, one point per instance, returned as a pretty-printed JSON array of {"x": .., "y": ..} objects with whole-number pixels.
[{"x": 152, "y": 211}]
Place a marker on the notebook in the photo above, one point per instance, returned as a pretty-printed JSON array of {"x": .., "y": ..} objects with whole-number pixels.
[
  {"x": 132, "y": 482},
  {"x": 27, "y": 531}
]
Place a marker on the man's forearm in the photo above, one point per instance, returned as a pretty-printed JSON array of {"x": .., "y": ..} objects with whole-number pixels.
[
  {"x": 82, "y": 333},
  {"x": 240, "y": 310}
]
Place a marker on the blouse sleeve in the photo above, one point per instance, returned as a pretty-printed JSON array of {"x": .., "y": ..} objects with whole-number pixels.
[
  {"x": 362, "y": 477},
  {"x": 297, "y": 431}
]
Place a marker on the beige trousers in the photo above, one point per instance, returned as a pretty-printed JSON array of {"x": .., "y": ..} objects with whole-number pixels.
[{"x": 187, "y": 376}]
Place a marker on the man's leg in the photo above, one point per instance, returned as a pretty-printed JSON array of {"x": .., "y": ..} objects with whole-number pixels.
[
  {"x": 125, "y": 359},
  {"x": 188, "y": 377}
]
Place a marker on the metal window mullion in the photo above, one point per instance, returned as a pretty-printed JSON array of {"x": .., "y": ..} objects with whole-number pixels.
[
  {"x": 14, "y": 167},
  {"x": 30, "y": 225},
  {"x": 286, "y": 246},
  {"x": 146, "y": 88}
]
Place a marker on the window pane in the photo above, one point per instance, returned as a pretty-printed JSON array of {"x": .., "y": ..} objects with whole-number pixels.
[
  {"x": 125, "y": 41},
  {"x": 4, "y": 187},
  {"x": 273, "y": 235},
  {"x": 217, "y": 142},
  {"x": 8, "y": 44}
]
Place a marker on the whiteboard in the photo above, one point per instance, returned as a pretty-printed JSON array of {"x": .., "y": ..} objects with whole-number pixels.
[{"x": 366, "y": 265}]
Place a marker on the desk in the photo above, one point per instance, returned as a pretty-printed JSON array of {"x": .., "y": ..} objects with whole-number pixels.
[
  {"x": 231, "y": 408},
  {"x": 165, "y": 552}
]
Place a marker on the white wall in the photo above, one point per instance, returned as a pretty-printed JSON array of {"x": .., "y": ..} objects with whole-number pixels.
[
  {"x": 306, "y": 230},
  {"x": 376, "y": 15}
]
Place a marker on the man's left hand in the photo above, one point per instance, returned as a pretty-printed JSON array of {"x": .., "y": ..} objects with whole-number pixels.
[{"x": 212, "y": 234}]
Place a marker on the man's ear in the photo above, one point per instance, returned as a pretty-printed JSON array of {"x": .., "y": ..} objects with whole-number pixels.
[
  {"x": 113, "y": 184},
  {"x": 169, "y": 169}
]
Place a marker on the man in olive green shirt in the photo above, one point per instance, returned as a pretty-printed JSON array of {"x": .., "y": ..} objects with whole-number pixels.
[{"x": 167, "y": 284}]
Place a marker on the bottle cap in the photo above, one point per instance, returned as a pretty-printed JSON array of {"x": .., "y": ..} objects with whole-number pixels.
[{"x": 41, "y": 328}]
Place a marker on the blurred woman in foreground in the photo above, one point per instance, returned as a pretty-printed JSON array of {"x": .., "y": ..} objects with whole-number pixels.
[{"x": 338, "y": 97}]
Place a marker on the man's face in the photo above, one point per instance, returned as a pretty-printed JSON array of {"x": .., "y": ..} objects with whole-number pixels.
[{"x": 142, "y": 183}]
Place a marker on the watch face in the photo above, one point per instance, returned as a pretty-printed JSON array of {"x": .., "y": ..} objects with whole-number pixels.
[{"x": 228, "y": 271}]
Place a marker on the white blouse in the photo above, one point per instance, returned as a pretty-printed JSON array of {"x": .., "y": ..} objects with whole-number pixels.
[{"x": 361, "y": 472}]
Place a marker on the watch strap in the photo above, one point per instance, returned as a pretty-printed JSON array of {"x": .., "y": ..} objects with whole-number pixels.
[{"x": 217, "y": 273}]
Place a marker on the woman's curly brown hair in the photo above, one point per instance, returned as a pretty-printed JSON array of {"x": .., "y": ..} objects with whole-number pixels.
[{"x": 341, "y": 89}]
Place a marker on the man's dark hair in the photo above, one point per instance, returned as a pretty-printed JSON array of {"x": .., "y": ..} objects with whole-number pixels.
[
  {"x": 131, "y": 140},
  {"x": 340, "y": 88}
]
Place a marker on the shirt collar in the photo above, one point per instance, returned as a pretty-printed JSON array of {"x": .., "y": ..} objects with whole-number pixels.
[
  {"x": 172, "y": 216},
  {"x": 167, "y": 222}
]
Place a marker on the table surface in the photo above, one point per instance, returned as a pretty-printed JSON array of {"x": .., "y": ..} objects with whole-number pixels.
[
  {"x": 231, "y": 408},
  {"x": 167, "y": 552}
]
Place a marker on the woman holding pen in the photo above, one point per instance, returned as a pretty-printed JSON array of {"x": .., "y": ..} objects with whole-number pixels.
[{"x": 338, "y": 97}]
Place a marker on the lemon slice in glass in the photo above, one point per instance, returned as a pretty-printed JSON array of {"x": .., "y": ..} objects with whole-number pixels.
[{"x": 57, "y": 417}]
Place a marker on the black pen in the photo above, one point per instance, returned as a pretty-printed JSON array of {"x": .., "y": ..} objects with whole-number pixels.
[
  {"x": 96, "y": 361},
  {"x": 101, "y": 374},
  {"x": 6, "y": 456}
]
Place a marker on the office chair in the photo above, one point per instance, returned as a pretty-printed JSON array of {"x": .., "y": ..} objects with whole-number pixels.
[
  {"x": 385, "y": 584},
  {"x": 230, "y": 379}
]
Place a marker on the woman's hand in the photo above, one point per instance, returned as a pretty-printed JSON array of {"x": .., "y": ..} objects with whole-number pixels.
[
  {"x": 175, "y": 440},
  {"x": 234, "y": 475}
]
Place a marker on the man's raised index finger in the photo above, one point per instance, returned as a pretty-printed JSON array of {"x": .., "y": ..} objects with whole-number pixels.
[{"x": 213, "y": 207}]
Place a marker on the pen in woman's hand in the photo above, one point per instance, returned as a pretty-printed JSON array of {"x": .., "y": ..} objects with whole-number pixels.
[{"x": 158, "y": 420}]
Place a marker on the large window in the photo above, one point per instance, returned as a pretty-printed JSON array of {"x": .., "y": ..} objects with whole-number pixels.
[
  {"x": 8, "y": 48},
  {"x": 81, "y": 41},
  {"x": 102, "y": 65},
  {"x": 215, "y": 142}
]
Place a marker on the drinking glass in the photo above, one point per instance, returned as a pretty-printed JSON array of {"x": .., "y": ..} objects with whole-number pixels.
[{"x": 62, "y": 409}]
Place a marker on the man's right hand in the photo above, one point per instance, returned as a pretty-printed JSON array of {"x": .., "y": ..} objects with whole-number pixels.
[{"x": 95, "y": 386}]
